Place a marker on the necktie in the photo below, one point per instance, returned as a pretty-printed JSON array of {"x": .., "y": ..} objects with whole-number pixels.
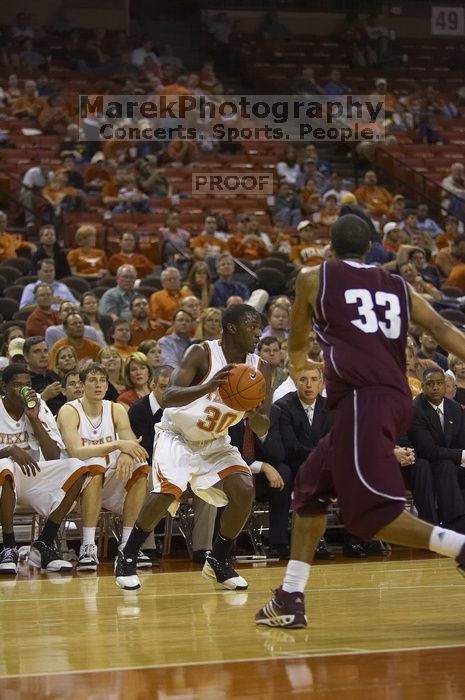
[
  {"x": 248, "y": 443},
  {"x": 440, "y": 416},
  {"x": 310, "y": 412}
]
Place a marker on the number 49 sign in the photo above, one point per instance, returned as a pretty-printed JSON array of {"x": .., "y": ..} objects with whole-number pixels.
[{"x": 448, "y": 21}]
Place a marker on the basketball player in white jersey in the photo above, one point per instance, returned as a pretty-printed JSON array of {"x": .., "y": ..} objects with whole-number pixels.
[
  {"x": 98, "y": 432},
  {"x": 192, "y": 446},
  {"x": 49, "y": 486}
]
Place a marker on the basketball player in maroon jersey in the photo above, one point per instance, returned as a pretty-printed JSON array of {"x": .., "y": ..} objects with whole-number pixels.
[{"x": 361, "y": 315}]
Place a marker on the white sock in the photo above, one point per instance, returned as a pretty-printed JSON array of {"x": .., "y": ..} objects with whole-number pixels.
[
  {"x": 296, "y": 576},
  {"x": 446, "y": 542},
  {"x": 88, "y": 535},
  {"x": 125, "y": 535}
]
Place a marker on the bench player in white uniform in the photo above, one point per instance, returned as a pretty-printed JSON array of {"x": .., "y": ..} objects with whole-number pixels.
[
  {"x": 49, "y": 483},
  {"x": 192, "y": 446},
  {"x": 98, "y": 433}
]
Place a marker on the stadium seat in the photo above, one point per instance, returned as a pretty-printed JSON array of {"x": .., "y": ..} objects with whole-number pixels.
[
  {"x": 76, "y": 284},
  {"x": 9, "y": 308},
  {"x": 22, "y": 264},
  {"x": 14, "y": 291}
]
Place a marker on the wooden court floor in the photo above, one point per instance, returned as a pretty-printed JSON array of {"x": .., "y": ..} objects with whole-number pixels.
[{"x": 390, "y": 630}]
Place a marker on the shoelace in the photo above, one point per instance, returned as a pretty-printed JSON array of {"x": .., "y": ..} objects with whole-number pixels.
[
  {"x": 89, "y": 551},
  {"x": 224, "y": 569},
  {"x": 8, "y": 553}
]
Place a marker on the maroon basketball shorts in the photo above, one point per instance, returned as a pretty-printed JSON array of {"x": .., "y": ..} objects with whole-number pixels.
[{"x": 355, "y": 462}]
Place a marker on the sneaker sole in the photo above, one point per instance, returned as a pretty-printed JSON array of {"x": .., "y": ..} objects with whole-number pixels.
[
  {"x": 36, "y": 563},
  {"x": 280, "y": 622},
  {"x": 86, "y": 567},
  {"x": 13, "y": 570},
  {"x": 120, "y": 584},
  {"x": 212, "y": 577},
  {"x": 144, "y": 565}
]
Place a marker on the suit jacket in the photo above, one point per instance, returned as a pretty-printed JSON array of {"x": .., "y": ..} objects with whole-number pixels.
[
  {"x": 271, "y": 450},
  {"x": 299, "y": 438},
  {"x": 427, "y": 436},
  {"x": 143, "y": 422}
]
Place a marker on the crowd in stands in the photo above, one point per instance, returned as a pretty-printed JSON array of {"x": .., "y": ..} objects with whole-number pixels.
[{"x": 92, "y": 290}]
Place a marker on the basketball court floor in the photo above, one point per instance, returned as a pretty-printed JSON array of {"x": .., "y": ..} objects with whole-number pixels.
[{"x": 385, "y": 629}]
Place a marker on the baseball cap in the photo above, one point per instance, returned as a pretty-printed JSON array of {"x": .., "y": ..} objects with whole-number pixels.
[
  {"x": 390, "y": 226},
  {"x": 380, "y": 81},
  {"x": 348, "y": 198},
  {"x": 397, "y": 197},
  {"x": 15, "y": 347},
  {"x": 303, "y": 224}
]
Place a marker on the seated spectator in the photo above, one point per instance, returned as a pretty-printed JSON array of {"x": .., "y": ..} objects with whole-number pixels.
[
  {"x": 311, "y": 174},
  {"x": 335, "y": 86},
  {"x": 438, "y": 435},
  {"x": 314, "y": 348},
  {"x": 28, "y": 105},
  {"x": 209, "y": 325},
  {"x": 150, "y": 404},
  {"x": 164, "y": 303},
  {"x": 306, "y": 253},
  {"x": 150, "y": 179},
  {"x": 98, "y": 174},
  {"x": 428, "y": 291},
  {"x": 50, "y": 248},
  {"x": 74, "y": 328},
  {"x": 44, "y": 381},
  {"x": 327, "y": 216},
  {"x": 428, "y": 350},
  {"x": 120, "y": 336},
  {"x": 207, "y": 78},
  {"x": 116, "y": 301},
  {"x": 457, "y": 277},
  {"x": 71, "y": 386},
  {"x": 42, "y": 315},
  {"x": 207, "y": 244},
  {"x": 54, "y": 333},
  {"x": 151, "y": 349},
  {"x": 130, "y": 198},
  {"x": 174, "y": 346},
  {"x": 198, "y": 284},
  {"x": 278, "y": 322},
  {"x": 61, "y": 196},
  {"x": 453, "y": 254},
  {"x": 458, "y": 368},
  {"x": 10, "y": 244},
  {"x": 182, "y": 153},
  {"x": 412, "y": 361},
  {"x": 374, "y": 198},
  {"x": 54, "y": 118},
  {"x": 109, "y": 358},
  {"x": 71, "y": 146},
  {"x": 269, "y": 350},
  {"x": 225, "y": 286},
  {"x": 397, "y": 209},
  {"x": 11, "y": 333},
  {"x": 429, "y": 273},
  {"x": 144, "y": 57},
  {"x": 425, "y": 223},
  {"x": 142, "y": 327},
  {"x": 288, "y": 169},
  {"x": 34, "y": 180},
  {"x": 66, "y": 360},
  {"x": 127, "y": 256},
  {"x": 46, "y": 274},
  {"x": 286, "y": 208},
  {"x": 137, "y": 375},
  {"x": 12, "y": 90},
  {"x": 306, "y": 83},
  {"x": 454, "y": 184},
  {"x": 173, "y": 233},
  {"x": 336, "y": 187},
  {"x": 101, "y": 324},
  {"x": 86, "y": 260}
]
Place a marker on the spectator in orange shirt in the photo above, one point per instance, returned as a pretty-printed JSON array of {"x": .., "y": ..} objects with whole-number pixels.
[
  {"x": 249, "y": 247},
  {"x": 207, "y": 244},
  {"x": 74, "y": 329},
  {"x": 142, "y": 327},
  {"x": 97, "y": 174},
  {"x": 43, "y": 315},
  {"x": 86, "y": 260},
  {"x": 307, "y": 253},
  {"x": 374, "y": 198},
  {"x": 58, "y": 193},
  {"x": 127, "y": 256},
  {"x": 10, "y": 244},
  {"x": 330, "y": 212},
  {"x": 182, "y": 152},
  {"x": 29, "y": 105},
  {"x": 121, "y": 336},
  {"x": 53, "y": 119},
  {"x": 111, "y": 188},
  {"x": 166, "y": 302}
]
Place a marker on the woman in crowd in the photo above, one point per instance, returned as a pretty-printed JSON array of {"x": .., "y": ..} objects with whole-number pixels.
[
  {"x": 458, "y": 368},
  {"x": 278, "y": 322},
  {"x": 111, "y": 360},
  {"x": 209, "y": 326},
  {"x": 86, "y": 260},
  {"x": 91, "y": 317},
  {"x": 151, "y": 350},
  {"x": 137, "y": 375},
  {"x": 198, "y": 284},
  {"x": 65, "y": 360}
]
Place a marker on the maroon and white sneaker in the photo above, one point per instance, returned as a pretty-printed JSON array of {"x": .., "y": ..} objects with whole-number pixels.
[
  {"x": 461, "y": 561},
  {"x": 284, "y": 610}
]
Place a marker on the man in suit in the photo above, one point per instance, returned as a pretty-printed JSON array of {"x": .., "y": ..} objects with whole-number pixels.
[
  {"x": 438, "y": 435},
  {"x": 273, "y": 484},
  {"x": 139, "y": 417}
]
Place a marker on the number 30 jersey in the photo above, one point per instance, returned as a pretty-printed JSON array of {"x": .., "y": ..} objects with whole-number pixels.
[
  {"x": 206, "y": 418},
  {"x": 362, "y": 320}
]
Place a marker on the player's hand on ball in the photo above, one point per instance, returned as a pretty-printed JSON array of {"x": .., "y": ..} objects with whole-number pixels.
[{"x": 221, "y": 377}]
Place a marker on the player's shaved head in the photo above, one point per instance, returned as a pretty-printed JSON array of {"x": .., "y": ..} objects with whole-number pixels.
[
  {"x": 239, "y": 313},
  {"x": 350, "y": 235}
]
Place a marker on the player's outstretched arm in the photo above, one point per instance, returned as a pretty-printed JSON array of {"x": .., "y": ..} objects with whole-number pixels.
[
  {"x": 302, "y": 313},
  {"x": 447, "y": 335},
  {"x": 184, "y": 385}
]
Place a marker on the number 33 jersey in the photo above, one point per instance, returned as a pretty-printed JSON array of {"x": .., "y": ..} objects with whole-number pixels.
[
  {"x": 206, "y": 418},
  {"x": 362, "y": 320}
]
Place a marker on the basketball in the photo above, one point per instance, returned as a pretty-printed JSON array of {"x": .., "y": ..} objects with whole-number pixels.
[{"x": 245, "y": 388}]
